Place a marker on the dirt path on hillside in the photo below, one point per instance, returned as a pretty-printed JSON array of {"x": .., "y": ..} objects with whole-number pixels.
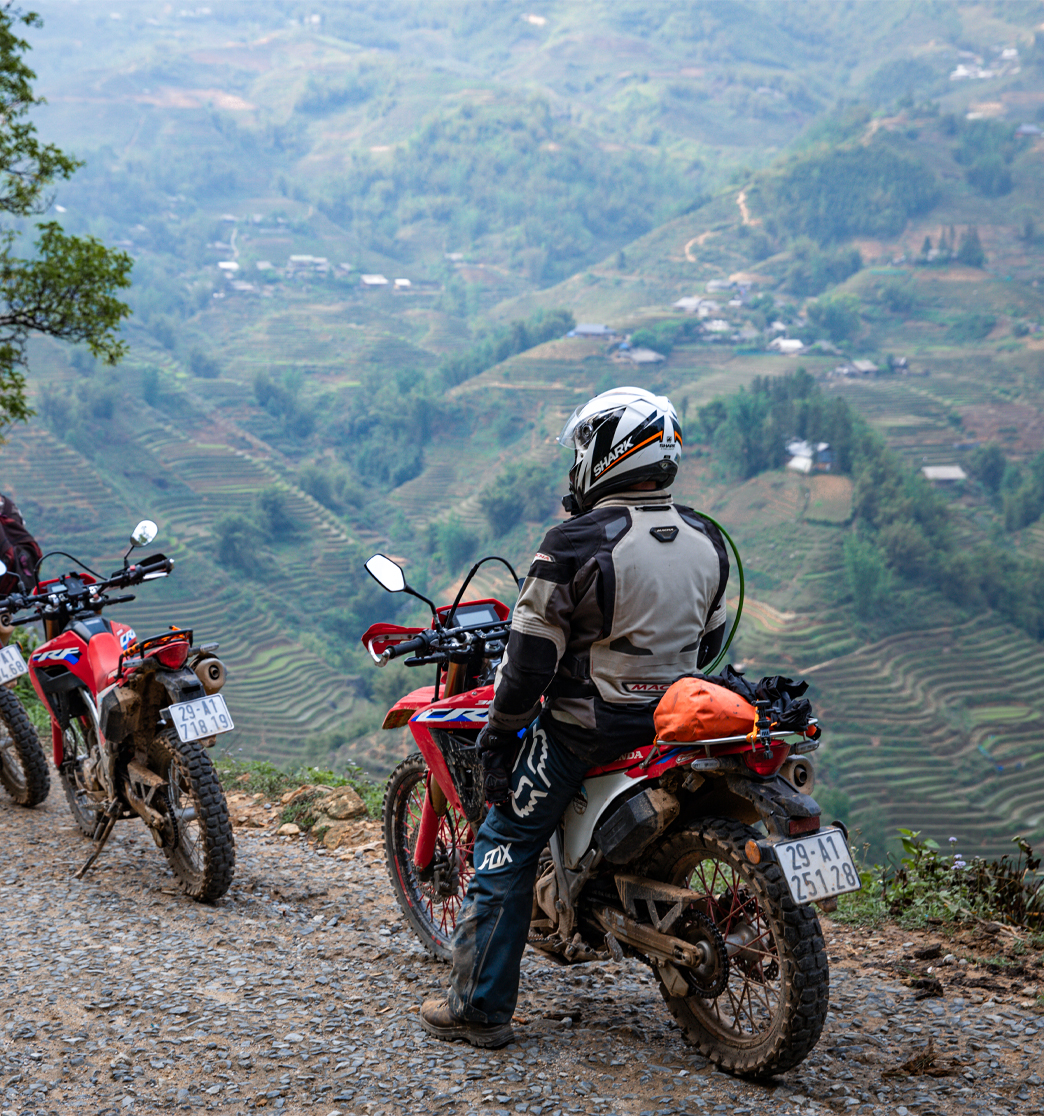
[{"x": 299, "y": 991}]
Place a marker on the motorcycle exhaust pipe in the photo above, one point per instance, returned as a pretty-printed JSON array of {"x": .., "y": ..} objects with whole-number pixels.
[
  {"x": 211, "y": 672},
  {"x": 799, "y": 773}
]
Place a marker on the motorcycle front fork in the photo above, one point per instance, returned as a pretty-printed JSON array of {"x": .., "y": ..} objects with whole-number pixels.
[{"x": 432, "y": 812}]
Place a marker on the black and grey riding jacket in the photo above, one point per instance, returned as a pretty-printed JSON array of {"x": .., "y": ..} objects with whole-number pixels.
[{"x": 613, "y": 610}]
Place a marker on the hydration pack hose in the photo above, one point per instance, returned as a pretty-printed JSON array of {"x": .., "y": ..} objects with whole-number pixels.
[{"x": 739, "y": 607}]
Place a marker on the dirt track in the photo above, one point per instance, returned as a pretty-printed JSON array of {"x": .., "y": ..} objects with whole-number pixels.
[{"x": 299, "y": 992}]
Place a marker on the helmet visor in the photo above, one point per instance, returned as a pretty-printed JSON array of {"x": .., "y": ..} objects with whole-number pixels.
[{"x": 578, "y": 432}]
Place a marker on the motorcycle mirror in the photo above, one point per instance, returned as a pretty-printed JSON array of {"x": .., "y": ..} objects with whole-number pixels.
[
  {"x": 386, "y": 573},
  {"x": 144, "y": 533}
]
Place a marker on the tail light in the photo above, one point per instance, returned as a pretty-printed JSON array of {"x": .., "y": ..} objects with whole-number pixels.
[
  {"x": 766, "y": 763},
  {"x": 797, "y": 826},
  {"x": 173, "y": 655}
]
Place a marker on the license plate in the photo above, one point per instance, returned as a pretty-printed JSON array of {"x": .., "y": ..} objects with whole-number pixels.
[
  {"x": 205, "y": 717},
  {"x": 818, "y": 866},
  {"x": 12, "y": 665}
]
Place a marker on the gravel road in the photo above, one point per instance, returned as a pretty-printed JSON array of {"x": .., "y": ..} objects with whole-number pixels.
[{"x": 299, "y": 992}]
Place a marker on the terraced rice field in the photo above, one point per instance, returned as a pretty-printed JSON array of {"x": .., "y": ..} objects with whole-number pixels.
[
  {"x": 918, "y": 731},
  {"x": 279, "y": 691}
]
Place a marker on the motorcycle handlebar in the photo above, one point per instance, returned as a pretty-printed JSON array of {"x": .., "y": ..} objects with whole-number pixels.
[{"x": 397, "y": 649}]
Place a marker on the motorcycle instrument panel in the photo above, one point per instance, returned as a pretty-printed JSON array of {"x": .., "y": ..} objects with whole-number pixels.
[
  {"x": 12, "y": 665},
  {"x": 818, "y": 866},
  {"x": 205, "y": 717},
  {"x": 476, "y": 616}
]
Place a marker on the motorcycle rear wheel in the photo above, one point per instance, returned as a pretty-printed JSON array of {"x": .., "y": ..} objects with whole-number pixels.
[
  {"x": 78, "y": 740},
  {"x": 23, "y": 765},
  {"x": 771, "y": 1013},
  {"x": 204, "y": 857},
  {"x": 431, "y": 906}
]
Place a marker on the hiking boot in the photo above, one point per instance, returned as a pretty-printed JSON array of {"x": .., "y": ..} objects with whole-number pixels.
[{"x": 437, "y": 1019}]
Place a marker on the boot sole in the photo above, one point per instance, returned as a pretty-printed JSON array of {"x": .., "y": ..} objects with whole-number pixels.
[{"x": 486, "y": 1037}]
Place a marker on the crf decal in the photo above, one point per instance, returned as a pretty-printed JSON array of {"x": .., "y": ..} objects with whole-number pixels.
[
  {"x": 61, "y": 655},
  {"x": 472, "y": 716},
  {"x": 496, "y": 858},
  {"x": 127, "y": 638},
  {"x": 646, "y": 687}
]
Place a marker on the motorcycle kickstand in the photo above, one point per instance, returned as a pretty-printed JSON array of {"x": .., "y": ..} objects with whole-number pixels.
[{"x": 106, "y": 827}]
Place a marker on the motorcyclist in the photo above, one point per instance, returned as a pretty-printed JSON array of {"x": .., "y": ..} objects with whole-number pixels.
[{"x": 621, "y": 599}]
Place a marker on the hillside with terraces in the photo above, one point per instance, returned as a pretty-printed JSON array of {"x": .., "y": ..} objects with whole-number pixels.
[{"x": 282, "y": 422}]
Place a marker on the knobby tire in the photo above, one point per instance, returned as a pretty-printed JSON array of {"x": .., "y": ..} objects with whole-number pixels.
[
  {"x": 78, "y": 740},
  {"x": 432, "y": 916},
  {"x": 23, "y": 765},
  {"x": 204, "y": 858},
  {"x": 772, "y": 1012}
]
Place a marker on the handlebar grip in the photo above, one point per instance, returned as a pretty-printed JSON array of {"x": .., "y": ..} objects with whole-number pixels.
[{"x": 406, "y": 648}]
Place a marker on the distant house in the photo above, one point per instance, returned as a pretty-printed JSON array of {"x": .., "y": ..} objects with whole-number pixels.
[
  {"x": 806, "y": 457},
  {"x": 643, "y": 356},
  {"x": 720, "y": 285},
  {"x": 402, "y": 284},
  {"x": 373, "y": 282},
  {"x": 264, "y": 265},
  {"x": 864, "y": 367},
  {"x": 944, "y": 474},
  {"x": 689, "y": 305},
  {"x": 243, "y": 286},
  {"x": 718, "y": 325},
  {"x": 228, "y": 266},
  {"x": 1028, "y": 130},
  {"x": 589, "y": 329},
  {"x": 298, "y": 264},
  {"x": 788, "y": 346}
]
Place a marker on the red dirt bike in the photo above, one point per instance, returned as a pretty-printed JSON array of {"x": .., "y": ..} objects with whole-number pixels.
[
  {"x": 130, "y": 719},
  {"x": 658, "y": 856}
]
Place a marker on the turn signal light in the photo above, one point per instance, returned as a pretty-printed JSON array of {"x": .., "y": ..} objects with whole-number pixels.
[{"x": 173, "y": 655}]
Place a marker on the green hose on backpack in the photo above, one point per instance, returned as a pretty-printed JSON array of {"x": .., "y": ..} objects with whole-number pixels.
[{"x": 739, "y": 607}]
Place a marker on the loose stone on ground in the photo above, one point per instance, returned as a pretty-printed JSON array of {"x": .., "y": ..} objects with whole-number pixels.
[{"x": 299, "y": 993}]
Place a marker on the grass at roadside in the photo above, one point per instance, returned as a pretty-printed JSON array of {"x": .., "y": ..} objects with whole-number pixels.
[{"x": 264, "y": 777}]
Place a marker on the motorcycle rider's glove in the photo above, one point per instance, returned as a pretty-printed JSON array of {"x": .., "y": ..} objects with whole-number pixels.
[{"x": 498, "y": 750}]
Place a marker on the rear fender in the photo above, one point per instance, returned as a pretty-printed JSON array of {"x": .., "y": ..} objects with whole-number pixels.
[{"x": 775, "y": 801}]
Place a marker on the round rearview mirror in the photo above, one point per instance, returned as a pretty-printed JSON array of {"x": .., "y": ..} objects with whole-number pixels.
[
  {"x": 144, "y": 533},
  {"x": 384, "y": 571}
]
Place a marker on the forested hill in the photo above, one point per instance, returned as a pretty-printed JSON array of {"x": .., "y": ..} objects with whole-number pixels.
[{"x": 362, "y": 235}]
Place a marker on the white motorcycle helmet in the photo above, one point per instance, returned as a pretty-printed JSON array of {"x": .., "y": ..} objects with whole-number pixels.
[{"x": 620, "y": 438}]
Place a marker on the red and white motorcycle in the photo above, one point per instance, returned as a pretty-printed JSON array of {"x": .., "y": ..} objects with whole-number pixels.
[
  {"x": 131, "y": 719},
  {"x": 701, "y": 858}
]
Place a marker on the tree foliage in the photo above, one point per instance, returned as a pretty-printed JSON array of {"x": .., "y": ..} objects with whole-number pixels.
[
  {"x": 861, "y": 190},
  {"x": 503, "y": 343},
  {"x": 67, "y": 289},
  {"x": 904, "y": 528}
]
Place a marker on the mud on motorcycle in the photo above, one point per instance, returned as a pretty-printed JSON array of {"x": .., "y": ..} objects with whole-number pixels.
[
  {"x": 700, "y": 858},
  {"x": 131, "y": 719}
]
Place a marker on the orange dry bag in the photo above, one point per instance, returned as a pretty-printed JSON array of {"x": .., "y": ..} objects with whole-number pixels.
[{"x": 694, "y": 709}]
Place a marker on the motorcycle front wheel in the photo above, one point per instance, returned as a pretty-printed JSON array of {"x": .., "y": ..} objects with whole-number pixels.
[
  {"x": 78, "y": 740},
  {"x": 203, "y": 853},
  {"x": 431, "y": 901},
  {"x": 23, "y": 765},
  {"x": 771, "y": 1011}
]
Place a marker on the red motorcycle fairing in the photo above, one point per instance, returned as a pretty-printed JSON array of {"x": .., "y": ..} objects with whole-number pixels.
[
  {"x": 93, "y": 661},
  {"x": 469, "y": 710},
  {"x": 405, "y": 707}
]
